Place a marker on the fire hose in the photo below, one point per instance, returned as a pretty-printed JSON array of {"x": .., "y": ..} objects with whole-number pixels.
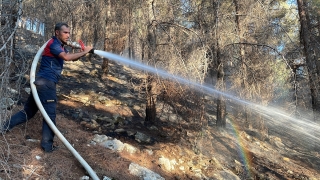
[{"x": 92, "y": 174}]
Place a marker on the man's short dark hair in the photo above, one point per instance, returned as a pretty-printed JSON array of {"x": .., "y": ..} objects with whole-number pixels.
[{"x": 59, "y": 25}]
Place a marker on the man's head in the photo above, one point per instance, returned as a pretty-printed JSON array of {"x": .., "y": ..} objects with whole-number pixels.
[{"x": 62, "y": 32}]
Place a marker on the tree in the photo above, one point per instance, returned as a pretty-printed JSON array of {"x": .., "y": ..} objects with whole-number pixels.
[
  {"x": 10, "y": 14},
  {"x": 150, "y": 80},
  {"x": 221, "y": 103},
  {"x": 107, "y": 41},
  {"x": 305, "y": 37}
]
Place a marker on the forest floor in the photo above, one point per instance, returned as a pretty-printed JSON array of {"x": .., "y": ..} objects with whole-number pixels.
[{"x": 177, "y": 150}]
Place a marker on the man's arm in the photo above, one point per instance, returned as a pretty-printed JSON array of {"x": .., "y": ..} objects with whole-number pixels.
[{"x": 74, "y": 56}]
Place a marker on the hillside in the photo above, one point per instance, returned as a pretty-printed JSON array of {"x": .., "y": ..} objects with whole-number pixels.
[{"x": 89, "y": 106}]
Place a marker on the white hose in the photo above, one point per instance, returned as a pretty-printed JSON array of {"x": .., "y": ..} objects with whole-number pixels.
[{"x": 47, "y": 118}]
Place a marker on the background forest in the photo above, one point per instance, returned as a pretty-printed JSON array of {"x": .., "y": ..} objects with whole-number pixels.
[{"x": 255, "y": 56}]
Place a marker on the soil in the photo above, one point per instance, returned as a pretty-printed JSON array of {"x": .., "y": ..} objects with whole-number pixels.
[{"x": 231, "y": 153}]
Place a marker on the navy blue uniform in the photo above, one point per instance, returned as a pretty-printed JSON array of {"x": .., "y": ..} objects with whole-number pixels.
[{"x": 48, "y": 75}]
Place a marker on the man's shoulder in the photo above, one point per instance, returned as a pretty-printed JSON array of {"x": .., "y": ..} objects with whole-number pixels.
[{"x": 55, "y": 41}]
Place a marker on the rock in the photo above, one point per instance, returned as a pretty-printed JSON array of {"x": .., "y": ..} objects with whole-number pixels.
[
  {"x": 94, "y": 126},
  {"x": 94, "y": 122},
  {"x": 33, "y": 140},
  {"x": 106, "y": 178},
  {"x": 86, "y": 119},
  {"x": 226, "y": 174},
  {"x": 119, "y": 121},
  {"x": 83, "y": 123},
  {"x": 143, "y": 172},
  {"x": 94, "y": 116},
  {"x": 114, "y": 144},
  {"x": 85, "y": 178},
  {"x": 130, "y": 149},
  {"x": 100, "y": 138},
  {"x": 13, "y": 91},
  {"x": 149, "y": 152},
  {"x": 105, "y": 119},
  {"x": 102, "y": 98},
  {"x": 167, "y": 163},
  {"x": 173, "y": 117},
  {"x": 131, "y": 133},
  {"x": 142, "y": 138},
  {"x": 83, "y": 98},
  {"x": 28, "y": 90},
  {"x": 119, "y": 130},
  {"x": 136, "y": 107},
  {"x": 153, "y": 128}
]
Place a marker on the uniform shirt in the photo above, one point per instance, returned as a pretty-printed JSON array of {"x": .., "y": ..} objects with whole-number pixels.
[{"x": 51, "y": 64}]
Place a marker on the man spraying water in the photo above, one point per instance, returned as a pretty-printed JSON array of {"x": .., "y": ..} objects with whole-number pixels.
[{"x": 49, "y": 73}]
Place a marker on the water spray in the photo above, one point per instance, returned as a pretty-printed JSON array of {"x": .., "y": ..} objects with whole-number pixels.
[{"x": 309, "y": 128}]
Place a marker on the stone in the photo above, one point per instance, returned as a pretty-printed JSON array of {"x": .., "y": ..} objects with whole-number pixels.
[
  {"x": 119, "y": 130},
  {"x": 94, "y": 122},
  {"x": 167, "y": 163},
  {"x": 106, "y": 178},
  {"x": 142, "y": 138},
  {"x": 101, "y": 138},
  {"x": 130, "y": 149},
  {"x": 83, "y": 123},
  {"x": 28, "y": 90},
  {"x": 114, "y": 144},
  {"x": 105, "y": 119},
  {"x": 102, "y": 98},
  {"x": 85, "y": 178},
  {"x": 226, "y": 174},
  {"x": 38, "y": 157},
  {"x": 13, "y": 91},
  {"x": 153, "y": 128},
  {"x": 136, "y": 107},
  {"x": 143, "y": 172}
]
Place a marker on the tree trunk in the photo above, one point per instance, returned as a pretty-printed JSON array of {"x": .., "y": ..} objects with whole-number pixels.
[
  {"x": 308, "y": 52},
  {"x": 239, "y": 32},
  {"x": 151, "y": 86},
  {"x": 107, "y": 41},
  {"x": 243, "y": 68},
  {"x": 151, "y": 100},
  {"x": 221, "y": 103}
]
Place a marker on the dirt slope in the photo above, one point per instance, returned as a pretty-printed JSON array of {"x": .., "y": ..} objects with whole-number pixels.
[{"x": 195, "y": 153}]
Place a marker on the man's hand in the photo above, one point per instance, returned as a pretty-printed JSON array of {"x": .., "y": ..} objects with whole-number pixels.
[
  {"x": 91, "y": 51},
  {"x": 87, "y": 49}
]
